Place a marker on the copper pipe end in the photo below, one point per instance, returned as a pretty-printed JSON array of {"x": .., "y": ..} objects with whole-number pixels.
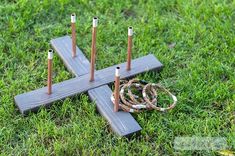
[
  {"x": 73, "y": 18},
  {"x": 130, "y": 31},
  {"x": 117, "y": 71},
  {"x": 95, "y": 21}
]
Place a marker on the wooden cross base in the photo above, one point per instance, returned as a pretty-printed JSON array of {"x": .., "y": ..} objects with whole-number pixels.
[{"x": 121, "y": 122}]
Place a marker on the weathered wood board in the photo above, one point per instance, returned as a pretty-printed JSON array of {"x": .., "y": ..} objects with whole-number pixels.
[
  {"x": 31, "y": 101},
  {"x": 122, "y": 123},
  {"x": 78, "y": 65}
]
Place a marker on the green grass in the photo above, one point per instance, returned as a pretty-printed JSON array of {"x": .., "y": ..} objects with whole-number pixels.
[{"x": 199, "y": 69}]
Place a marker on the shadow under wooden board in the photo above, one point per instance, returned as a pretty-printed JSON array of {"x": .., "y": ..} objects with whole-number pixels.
[{"x": 122, "y": 122}]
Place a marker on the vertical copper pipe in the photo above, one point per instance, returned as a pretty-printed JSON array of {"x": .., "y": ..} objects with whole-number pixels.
[
  {"x": 117, "y": 88},
  {"x": 49, "y": 76},
  {"x": 129, "y": 48},
  {"x": 73, "y": 27},
  {"x": 93, "y": 48}
]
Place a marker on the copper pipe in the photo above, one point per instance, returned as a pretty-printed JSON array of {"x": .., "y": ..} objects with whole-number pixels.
[
  {"x": 93, "y": 48},
  {"x": 117, "y": 88},
  {"x": 73, "y": 27},
  {"x": 49, "y": 76},
  {"x": 129, "y": 48}
]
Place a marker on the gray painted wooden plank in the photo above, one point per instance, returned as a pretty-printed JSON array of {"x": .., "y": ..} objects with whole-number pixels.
[
  {"x": 122, "y": 123},
  {"x": 78, "y": 65},
  {"x": 33, "y": 100}
]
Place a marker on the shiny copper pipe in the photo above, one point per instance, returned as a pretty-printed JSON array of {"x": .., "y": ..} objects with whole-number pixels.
[
  {"x": 49, "y": 76},
  {"x": 93, "y": 48},
  {"x": 73, "y": 27},
  {"x": 129, "y": 48},
  {"x": 117, "y": 88}
]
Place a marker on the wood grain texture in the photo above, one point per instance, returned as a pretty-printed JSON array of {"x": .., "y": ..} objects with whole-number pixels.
[
  {"x": 37, "y": 98},
  {"x": 79, "y": 65},
  {"x": 122, "y": 123}
]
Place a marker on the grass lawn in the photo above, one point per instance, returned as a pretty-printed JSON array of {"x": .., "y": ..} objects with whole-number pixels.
[{"x": 195, "y": 40}]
